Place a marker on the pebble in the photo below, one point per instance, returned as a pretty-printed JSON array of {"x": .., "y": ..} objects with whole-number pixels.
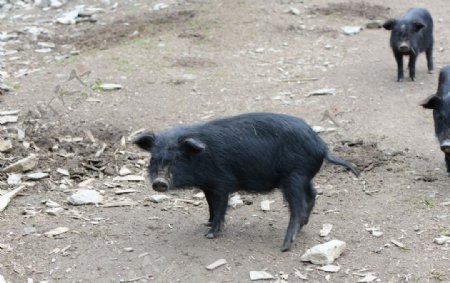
[
  {"x": 109, "y": 86},
  {"x": 235, "y": 201},
  {"x": 14, "y": 179},
  {"x": 5, "y": 145},
  {"x": 200, "y": 195},
  {"x": 260, "y": 275},
  {"x": 35, "y": 176},
  {"x": 330, "y": 268},
  {"x": 54, "y": 211},
  {"x": 85, "y": 197},
  {"x": 294, "y": 11},
  {"x": 128, "y": 249},
  {"x": 265, "y": 205},
  {"x": 351, "y": 30},
  {"x": 2, "y": 279},
  {"x": 56, "y": 231},
  {"x": 324, "y": 253},
  {"x": 63, "y": 172},
  {"x": 158, "y": 198},
  {"x": 398, "y": 243},
  {"x": 326, "y": 229},
  {"x": 124, "y": 171},
  {"x": 216, "y": 264},
  {"x": 442, "y": 240}
]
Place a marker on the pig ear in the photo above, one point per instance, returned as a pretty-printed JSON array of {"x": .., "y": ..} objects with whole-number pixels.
[
  {"x": 389, "y": 24},
  {"x": 431, "y": 102},
  {"x": 418, "y": 26},
  {"x": 145, "y": 141},
  {"x": 193, "y": 145}
]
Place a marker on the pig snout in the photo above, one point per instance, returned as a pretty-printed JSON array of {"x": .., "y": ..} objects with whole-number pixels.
[
  {"x": 160, "y": 184},
  {"x": 445, "y": 145},
  {"x": 403, "y": 46}
]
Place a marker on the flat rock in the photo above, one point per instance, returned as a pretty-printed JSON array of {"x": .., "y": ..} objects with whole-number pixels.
[
  {"x": 216, "y": 264},
  {"x": 235, "y": 201},
  {"x": 265, "y": 205},
  {"x": 109, "y": 86},
  {"x": 351, "y": 30},
  {"x": 2, "y": 279},
  {"x": 56, "y": 231},
  {"x": 260, "y": 275},
  {"x": 8, "y": 119},
  {"x": 25, "y": 164},
  {"x": 63, "y": 172},
  {"x": 36, "y": 176},
  {"x": 14, "y": 179},
  {"x": 442, "y": 240},
  {"x": 85, "y": 197},
  {"x": 124, "y": 171},
  {"x": 129, "y": 178},
  {"x": 158, "y": 198},
  {"x": 324, "y": 253},
  {"x": 55, "y": 211},
  {"x": 326, "y": 229},
  {"x": 330, "y": 268},
  {"x": 200, "y": 195}
]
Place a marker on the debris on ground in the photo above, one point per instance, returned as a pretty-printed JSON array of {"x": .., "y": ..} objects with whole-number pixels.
[
  {"x": 216, "y": 264},
  {"x": 324, "y": 253}
]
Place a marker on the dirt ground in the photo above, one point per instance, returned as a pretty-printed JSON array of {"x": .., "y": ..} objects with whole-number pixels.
[{"x": 198, "y": 60}]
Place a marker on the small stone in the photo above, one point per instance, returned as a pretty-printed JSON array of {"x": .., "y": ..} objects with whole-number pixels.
[
  {"x": 368, "y": 278},
  {"x": 351, "y": 30},
  {"x": 158, "y": 198},
  {"x": 50, "y": 203},
  {"x": 85, "y": 197},
  {"x": 235, "y": 201},
  {"x": 294, "y": 11},
  {"x": 68, "y": 18},
  {"x": 124, "y": 171},
  {"x": 265, "y": 205},
  {"x": 216, "y": 264},
  {"x": 319, "y": 129},
  {"x": 330, "y": 268},
  {"x": 326, "y": 229},
  {"x": 377, "y": 234},
  {"x": 25, "y": 164},
  {"x": 5, "y": 145},
  {"x": 442, "y": 240},
  {"x": 35, "y": 176},
  {"x": 4, "y": 119},
  {"x": 46, "y": 44},
  {"x": 324, "y": 253},
  {"x": 160, "y": 6},
  {"x": 63, "y": 172},
  {"x": 260, "y": 275},
  {"x": 2, "y": 279},
  {"x": 200, "y": 195},
  {"x": 109, "y": 86},
  {"x": 398, "y": 243},
  {"x": 55, "y": 211},
  {"x": 14, "y": 179},
  {"x": 43, "y": 50},
  {"x": 128, "y": 249}
]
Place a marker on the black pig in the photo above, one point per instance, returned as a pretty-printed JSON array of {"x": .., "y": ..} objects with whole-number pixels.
[
  {"x": 440, "y": 103},
  {"x": 252, "y": 152},
  {"x": 411, "y": 35}
]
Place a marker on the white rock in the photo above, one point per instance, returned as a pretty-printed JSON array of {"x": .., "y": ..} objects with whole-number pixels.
[
  {"x": 54, "y": 211},
  {"x": 130, "y": 178},
  {"x": 351, "y": 30},
  {"x": 46, "y": 44},
  {"x": 43, "y": 50},
  {"x": 368, "y": 278},
  {"x": 326, "y": 229},
  {"x": 235, "y": 201},
  {"x": 25, "y": 164},
  {"x": 158, "y": 198},
  {"x": 109, "y": 86},
  {"x": 8, "y": 119},
  {"x": 319, "y": 129},
  {"x": 216, "y": 264},
  {"x": 377, "y": 234},
  {"x": 36, "y": 176},
  {"x": 265, "y": 205},
  {"x": 55, "y": 4},
  {"x": 200, "y": 195},
  {"x": 50, "y": 203},
  {"x": 5, "y": 145},
  {"x": 2, "y": 279},
  {"x": 63, "y": 172},
  {"x": 68, "y": 18},
  {"x": 124, "y": 171},
  {"x": 294, "y": 11},
  {"x": 324, "y": 253},
  {"x": 330, "y": 268},
  {"x": 85, "y": 197},
  {"x": 260, "y": 275},
  {"x": 160, "y": 6},
  {"x": 398, "y": 243},
  {"x": 14, "y": 179},
  {"x": 442, "y": 240}
]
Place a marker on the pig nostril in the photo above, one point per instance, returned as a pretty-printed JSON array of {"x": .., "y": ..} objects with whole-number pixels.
[{"x": 160, "y": 186}]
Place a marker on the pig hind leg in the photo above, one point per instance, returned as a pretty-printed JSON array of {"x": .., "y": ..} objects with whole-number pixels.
[
  {"x": 218, "y": 202},
  {"x": 447, "y": 162},
  {"x": 296, "y": 191},
  {"x": 209, "y": 200}
]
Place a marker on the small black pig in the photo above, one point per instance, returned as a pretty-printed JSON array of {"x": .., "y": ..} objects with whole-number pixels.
[
  {"x": 440, "y": 103},
  {"x": 254, "y": 152},
  {"x": 411, "y": 35}
]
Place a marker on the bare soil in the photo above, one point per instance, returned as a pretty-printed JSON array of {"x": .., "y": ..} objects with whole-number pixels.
[{"x": 195, "y": 61}]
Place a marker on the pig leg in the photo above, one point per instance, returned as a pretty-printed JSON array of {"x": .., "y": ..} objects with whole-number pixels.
[
  {"x": 310, "y": 200},
  {"x": 429, "y": 54},
  {"x": 209, "y": 196},
  {"x": 218, "y": 206},
  {"x": 447, "y": 162},
  {"x": 399, "y": 59},
  {"x": 412, "y": 66},
  {"x": 294, "y": 193}
]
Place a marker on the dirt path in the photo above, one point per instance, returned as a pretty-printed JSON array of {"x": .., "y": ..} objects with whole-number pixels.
[{"x": 196, "y": 60}]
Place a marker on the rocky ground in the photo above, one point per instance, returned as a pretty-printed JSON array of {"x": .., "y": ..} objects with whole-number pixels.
[{"x": 79, "y": 78}]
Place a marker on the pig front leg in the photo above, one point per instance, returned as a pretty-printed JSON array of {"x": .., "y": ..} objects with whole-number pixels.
[
  {"x": 399, "y": 59},
  {"x": 412, "y": 66},
  {"x": 217, "y": 206},
  {"x": 447, "y": 162}
]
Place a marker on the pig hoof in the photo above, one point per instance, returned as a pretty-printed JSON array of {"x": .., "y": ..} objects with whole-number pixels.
[
  {"x": 285, "y": 247},
  {"x": 412, "y": 79},
  {"x": 430, "y": 72},
  {"x": 209, "y": 235},
  {"x": 208, "y": 224},
  {"x": 399, "y": 80}
]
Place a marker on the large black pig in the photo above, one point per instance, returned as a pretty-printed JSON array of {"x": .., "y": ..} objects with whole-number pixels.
[
  {"x": 252, "y": 152},
  {"x": 440, "y": 103},
  {"x": 411, "y": 35}
]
